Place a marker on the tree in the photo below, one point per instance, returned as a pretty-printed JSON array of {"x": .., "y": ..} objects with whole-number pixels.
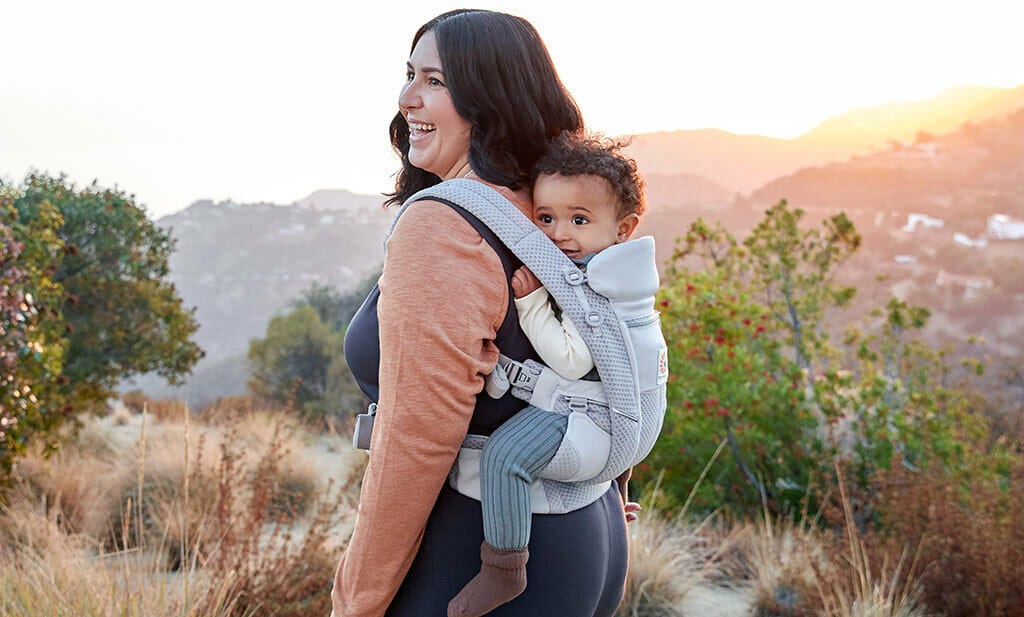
[
  {"x": 301, "y": 360},
  {"x": 794, "y": 271},
  {"x": 122, "y": 317},
  {"x": 32, "y": 386},
  {"x": 728, "y": 381},
  {"x": 786, "y": 417},
  {"x": 334, "y": 307}
]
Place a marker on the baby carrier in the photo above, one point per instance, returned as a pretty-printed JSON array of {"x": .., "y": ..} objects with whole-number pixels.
[{"x": 613, "y": 423}]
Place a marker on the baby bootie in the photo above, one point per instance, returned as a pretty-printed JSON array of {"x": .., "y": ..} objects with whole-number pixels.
[{"x": 502, "y": 577}]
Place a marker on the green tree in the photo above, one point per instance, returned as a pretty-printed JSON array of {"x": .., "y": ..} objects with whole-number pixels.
[
  {"x": 122, "y": 317},
  {"x": 334, "y": 307},
  {"x": 301, "y": 360},
  {"x": 787, "y": 416},
  {"x": 32, "y": 386},
  {"x": 793, "y": 273},
  {"x": 728, "y": 380}
]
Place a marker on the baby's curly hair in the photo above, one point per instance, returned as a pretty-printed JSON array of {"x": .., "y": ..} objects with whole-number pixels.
[{"x": 574, "y": 154}]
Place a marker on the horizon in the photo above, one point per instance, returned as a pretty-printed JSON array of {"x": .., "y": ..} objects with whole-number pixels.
[{"x": 249, "y": 104}]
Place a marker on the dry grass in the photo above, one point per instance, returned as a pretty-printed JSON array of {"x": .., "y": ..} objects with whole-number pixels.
[
  {"x": 893, "y": 592},
  {"x": 232, "y": 515},
  {"x": 971, "y": 537},
  {"x": 148, "y": 517},
  {"x": 772, "y": 567}
]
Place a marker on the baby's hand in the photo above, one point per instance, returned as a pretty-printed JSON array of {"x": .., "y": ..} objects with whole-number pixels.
[{"x": 524, "y": 282}]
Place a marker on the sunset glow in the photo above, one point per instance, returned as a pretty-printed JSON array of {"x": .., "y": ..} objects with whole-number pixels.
[{"x": 256, "y": 102}]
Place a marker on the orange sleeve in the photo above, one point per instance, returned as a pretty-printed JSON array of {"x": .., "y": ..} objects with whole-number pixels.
[{"x": 443, "y": 295}]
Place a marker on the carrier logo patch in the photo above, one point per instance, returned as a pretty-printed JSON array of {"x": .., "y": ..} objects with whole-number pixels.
[{"x": 663, "y": 366}]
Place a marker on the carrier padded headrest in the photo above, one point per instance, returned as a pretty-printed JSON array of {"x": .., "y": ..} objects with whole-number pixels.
[{"x": 625, "y": 272}]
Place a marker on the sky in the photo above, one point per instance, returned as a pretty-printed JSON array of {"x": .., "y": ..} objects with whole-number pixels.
[{"x": 269, "y": 101}]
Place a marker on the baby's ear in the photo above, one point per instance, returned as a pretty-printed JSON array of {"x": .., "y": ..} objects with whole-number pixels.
[{"x": 627, "y": 225}]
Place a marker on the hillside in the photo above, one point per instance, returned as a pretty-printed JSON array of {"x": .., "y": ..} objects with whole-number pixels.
[
  {"x": 240, "y": 264},
  {"x": 930, "y": 213},
  {"x": 741, "y": 163}
]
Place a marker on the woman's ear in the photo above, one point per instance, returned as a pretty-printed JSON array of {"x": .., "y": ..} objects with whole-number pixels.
[{"x": 627, "y": 225}]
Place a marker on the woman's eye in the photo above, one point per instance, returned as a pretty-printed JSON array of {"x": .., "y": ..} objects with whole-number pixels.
[
  {"x": 409, "y": 75},
  {"x": 579, "y": 220},
  {"x": 433, "y": 81}
]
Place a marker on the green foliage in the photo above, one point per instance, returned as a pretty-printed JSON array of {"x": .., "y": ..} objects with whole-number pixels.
[
  {"x": 793, "y": 271},
  {"x": 334, "y": 307},
  {"x": 84, "y": 304},
  {"x": 121, "y": 316},
  {"x": 728, "y": 379},
  {"x": 750, "y": 363},
  {"x": 301, "y": 361},
  {"x": 31, "y": 346}
]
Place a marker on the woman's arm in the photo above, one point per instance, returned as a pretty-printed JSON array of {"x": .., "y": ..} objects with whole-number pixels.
[{"x": 443, "y": 297}]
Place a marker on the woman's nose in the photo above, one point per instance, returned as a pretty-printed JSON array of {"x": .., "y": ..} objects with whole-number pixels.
[{"x": 409, "y": 97}]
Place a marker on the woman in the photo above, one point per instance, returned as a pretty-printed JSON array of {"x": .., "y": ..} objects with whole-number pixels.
[{"x": 481, "y": 101}]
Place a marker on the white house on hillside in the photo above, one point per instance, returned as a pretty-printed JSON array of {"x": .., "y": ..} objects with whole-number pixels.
[
  {"x": 966, "y": 240},
  {"x": 915, "y": 220},
  {"x": 1002, "y": 227}
]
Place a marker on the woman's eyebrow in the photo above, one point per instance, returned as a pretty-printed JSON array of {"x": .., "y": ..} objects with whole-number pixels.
[{"x": 426, "y": 69}]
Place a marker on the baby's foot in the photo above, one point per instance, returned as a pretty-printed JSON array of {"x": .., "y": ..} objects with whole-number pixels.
[{"x": 502, "y": 577}]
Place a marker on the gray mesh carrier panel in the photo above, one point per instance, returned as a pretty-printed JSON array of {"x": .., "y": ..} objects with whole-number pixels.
[{"x": 632, "y": 420}]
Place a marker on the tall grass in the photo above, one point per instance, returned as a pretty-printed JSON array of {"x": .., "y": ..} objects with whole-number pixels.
[{"x": 225, "y": 519}]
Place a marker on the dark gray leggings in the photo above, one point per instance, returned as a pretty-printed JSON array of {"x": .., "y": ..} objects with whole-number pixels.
[{"x": 577, "y": 564}]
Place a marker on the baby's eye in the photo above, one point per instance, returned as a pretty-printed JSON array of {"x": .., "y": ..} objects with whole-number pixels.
[
  {"x": 579, "y": 219},
  {"x": 545, "y": 218}
]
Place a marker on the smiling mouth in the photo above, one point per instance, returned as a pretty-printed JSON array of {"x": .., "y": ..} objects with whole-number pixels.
[
  {"x": 570, "y": 253},
  {"x": 420, "y": 130}
]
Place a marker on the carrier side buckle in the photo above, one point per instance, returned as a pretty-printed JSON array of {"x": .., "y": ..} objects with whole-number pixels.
[{"x": 520, "y": 376}]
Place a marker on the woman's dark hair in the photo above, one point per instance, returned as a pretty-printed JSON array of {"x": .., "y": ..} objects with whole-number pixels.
[{"x": 502, "y": 81}]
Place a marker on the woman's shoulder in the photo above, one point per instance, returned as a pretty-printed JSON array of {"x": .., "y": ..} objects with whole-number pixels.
[
  {"x": 434, "y": 253},
  {"x": 427, "y": 219},
  {"x": 430, "y": 218}
]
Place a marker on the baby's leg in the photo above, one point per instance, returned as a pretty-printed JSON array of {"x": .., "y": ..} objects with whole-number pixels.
[{"x": 515, "y": 453}]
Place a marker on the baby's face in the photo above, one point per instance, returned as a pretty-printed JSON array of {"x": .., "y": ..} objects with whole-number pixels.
[{"x": 578, "y": 213}]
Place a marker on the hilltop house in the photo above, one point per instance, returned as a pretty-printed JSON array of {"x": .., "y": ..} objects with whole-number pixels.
[
  {"x": 966, "y": 240},
  {"x": 964, "y": 280},
  {"x": 915, "y": 220},
  {"x": 1002, "y": 227},
  {"x": 972, "y": 285}
]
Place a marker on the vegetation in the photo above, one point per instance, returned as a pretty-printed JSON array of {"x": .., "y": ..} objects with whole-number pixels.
[
  {"x": 798, "y": 473},
  {"x": 753, "y": 364},
  {"x": 151, "y": 518},
  {"x": 85, "y": 303},
  {"x": 301, "y": 359}
]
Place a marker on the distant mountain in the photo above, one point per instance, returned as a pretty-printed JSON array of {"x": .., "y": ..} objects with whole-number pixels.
[
  {"x": 744, "y": 162},
  {"x": 872, "y": 127},
  {"x": 672, "y": 191},
  {"x": 240, "y": 264},
  {"x": 933, "y": 215}
]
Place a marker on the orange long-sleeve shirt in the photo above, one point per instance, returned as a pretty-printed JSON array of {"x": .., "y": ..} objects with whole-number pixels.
[{"x": 443, "y": 296}]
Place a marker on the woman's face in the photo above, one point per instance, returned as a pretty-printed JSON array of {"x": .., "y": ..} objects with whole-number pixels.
[{"x": 438, "y": 136}]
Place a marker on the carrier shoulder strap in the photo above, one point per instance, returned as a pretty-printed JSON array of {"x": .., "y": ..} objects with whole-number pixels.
[{"x": 590, "y": 312}]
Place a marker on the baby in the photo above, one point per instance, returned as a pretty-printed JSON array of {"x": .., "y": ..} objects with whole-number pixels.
[{"x": 587, "y": 197}]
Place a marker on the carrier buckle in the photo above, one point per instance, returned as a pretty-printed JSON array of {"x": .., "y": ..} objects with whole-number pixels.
[
  {"x": 519, "y": 376},
  {"x": 578, "y": 404}
]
